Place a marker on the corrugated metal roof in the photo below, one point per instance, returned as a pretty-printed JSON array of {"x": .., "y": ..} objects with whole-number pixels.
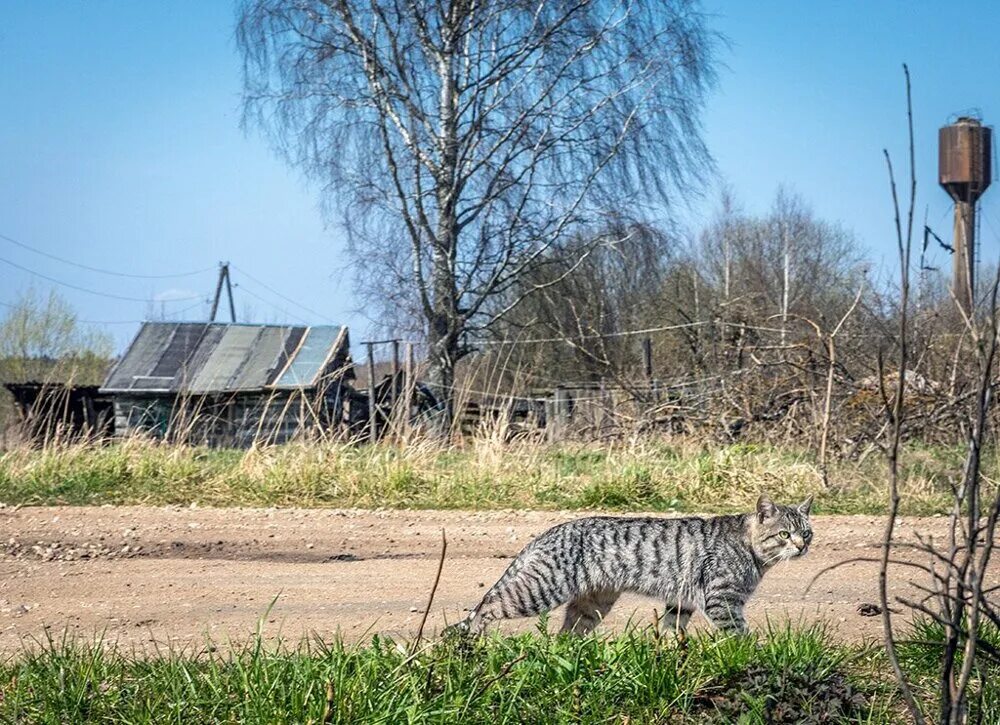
[
  {"x": 265, "y": 358},
  {"x": 310, "y": 358},
  {"x": 225, "y": 361},
  {"x": 189, "y": 368},
  {"x": 141, "y": 357},
  {"x": 182, "y": 346},
  {"x": 195, "y": 357}
]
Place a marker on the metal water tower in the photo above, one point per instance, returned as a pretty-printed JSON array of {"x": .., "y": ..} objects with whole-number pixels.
[{"x": 964, "y": 155}]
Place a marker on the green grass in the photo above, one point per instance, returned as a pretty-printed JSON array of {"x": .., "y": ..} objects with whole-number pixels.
[
  {"x": 920, "y": 655},
  {"x": 785, "y": 676},
  {"x": 651, "y": 476}
]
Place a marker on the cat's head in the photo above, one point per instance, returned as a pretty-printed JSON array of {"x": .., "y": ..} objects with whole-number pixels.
[{"x": 781, "y": 532}]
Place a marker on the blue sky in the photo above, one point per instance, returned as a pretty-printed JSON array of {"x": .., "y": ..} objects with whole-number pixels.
[{"x": 120, "y": 144}]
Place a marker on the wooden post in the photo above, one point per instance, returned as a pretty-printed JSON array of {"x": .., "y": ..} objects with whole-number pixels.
[
  {"x": 605, "y": 407},
  {"x": 411, "y": 366},
  {"x": 647, "y": 366},
  {"x": 558, "y": 419},
  {"x": 550, "y": 419},
  {"x": 562, "y": 405},
  {"x": 647, "y": 358},
  {"x": 395, "y": 371},
  {"x": 372, "y": 423},
  {"x": 411, "y": 384}
]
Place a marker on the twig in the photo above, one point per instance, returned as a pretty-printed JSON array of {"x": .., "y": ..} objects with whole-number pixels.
[
  {"x": 862, "y": 559},
  {"x": 896, "y": 413},
  {"x": 430, "y": 599},
  {"x": 989, "y": 649}
]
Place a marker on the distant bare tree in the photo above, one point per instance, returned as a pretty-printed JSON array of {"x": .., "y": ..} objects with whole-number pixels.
[
  {"x": 615, "y": 288},
  {"x": 42, "y": 340},
  {"x": 41, "y": 335},
  {"x": 789, "y": 262},
  {"x": 469, "y": 142}
]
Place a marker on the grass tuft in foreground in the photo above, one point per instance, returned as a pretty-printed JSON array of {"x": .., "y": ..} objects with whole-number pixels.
[
  {"x": 920, "y": 651},
  {"x": 642, "y": 475},
  {"x": 788, "y": 676}
]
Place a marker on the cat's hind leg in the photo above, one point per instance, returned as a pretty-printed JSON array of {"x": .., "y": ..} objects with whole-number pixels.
[
  {"x": 588, "y": 610},
  {"x": 676, "y": 616},
  {"x": 528, "y": 588}
]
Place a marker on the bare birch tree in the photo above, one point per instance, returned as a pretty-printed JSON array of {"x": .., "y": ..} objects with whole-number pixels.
[{"x": 474, "y": 139}]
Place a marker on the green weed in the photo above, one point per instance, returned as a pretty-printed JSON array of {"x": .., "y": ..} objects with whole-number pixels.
[{"x": 787, "y": 676}]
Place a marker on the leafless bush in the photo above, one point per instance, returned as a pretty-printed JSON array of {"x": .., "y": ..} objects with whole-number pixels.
[{"x": 955, "y": 596}]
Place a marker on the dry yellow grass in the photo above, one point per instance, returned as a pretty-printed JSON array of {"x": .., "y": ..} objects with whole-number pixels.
[{"x": 482, "y": 473}]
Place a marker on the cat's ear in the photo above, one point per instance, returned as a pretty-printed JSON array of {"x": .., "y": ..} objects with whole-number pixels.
[
  {"x": 765, "y": 508},
  {"x": 805, "y": 506}
]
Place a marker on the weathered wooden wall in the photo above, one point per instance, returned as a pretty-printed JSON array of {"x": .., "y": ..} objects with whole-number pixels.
[{"x": 235, "y": 420}]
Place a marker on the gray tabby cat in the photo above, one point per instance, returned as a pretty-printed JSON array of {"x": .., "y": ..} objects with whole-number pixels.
[{"x": 711, "y": 565}]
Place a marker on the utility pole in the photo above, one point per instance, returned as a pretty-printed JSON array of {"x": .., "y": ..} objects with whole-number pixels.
[
  {"x": 223, "y": 278},
  {"x": 229, "y": 293}
]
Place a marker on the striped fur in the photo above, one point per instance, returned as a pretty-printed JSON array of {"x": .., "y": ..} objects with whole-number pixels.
[{"x": 710, "y": 565}]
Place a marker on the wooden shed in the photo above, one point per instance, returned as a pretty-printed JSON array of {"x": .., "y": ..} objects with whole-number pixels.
[
  {"x": 50, "y": 411},
  {"x": 230, "y": 384}
]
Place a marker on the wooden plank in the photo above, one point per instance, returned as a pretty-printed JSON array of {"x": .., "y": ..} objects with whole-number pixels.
[{"x": 372, "y": 423}]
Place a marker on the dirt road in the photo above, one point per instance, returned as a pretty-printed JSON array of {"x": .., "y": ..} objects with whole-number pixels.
[{"x": 154, "y": 575}]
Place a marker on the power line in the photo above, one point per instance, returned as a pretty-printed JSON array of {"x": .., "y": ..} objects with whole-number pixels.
[
  {"x": 201, "y": 301},
  {"x": 90, "y": 291},
  {"x": 574, "y": 338},
  {"x": 284, "y": 297},
  {"x": 181, "y": 311},
  {"x": 271, "y": 304},
  {"x": 599, "y": 336},
  {"x": 99, "y": 269},
  {"x": 620, "y": 333},
  {"x": 662, "y": 386},
  {"x": 646, "y": 331},
  {"x": 8, "y": 305}
]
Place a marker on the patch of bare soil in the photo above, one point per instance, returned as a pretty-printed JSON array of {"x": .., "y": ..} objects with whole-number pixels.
[{"x": 141, "y": 575}]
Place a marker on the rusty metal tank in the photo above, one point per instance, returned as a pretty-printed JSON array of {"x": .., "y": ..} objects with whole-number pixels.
[{"x": 965, "y": 152}]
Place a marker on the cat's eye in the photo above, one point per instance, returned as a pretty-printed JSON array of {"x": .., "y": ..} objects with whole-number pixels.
[
  {"x": 806, "y": 535},
  {"x": 784, "y": 534}
]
